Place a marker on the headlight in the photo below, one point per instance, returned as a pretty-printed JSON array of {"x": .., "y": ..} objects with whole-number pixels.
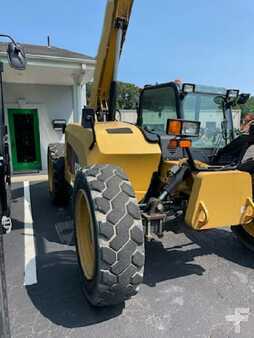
[
  {"x": 232, "y": 93},
  {"x": 188, "y": 88},
  {"x": 183, "y": 128},
  {"x": 190, "y": 128}
]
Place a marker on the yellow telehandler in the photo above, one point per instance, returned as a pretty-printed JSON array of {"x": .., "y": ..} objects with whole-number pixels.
[{"x": 128, "y": 182}]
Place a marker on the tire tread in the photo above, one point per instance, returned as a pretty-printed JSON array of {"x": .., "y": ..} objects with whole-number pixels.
[
  {"x": 121, "y": 254},
  {"x": 61, "y": 190}
]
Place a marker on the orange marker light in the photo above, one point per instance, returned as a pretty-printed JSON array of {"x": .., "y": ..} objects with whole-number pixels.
[
  {"x": 185, "y": 143},
  {"x": 175, "y": 127}
]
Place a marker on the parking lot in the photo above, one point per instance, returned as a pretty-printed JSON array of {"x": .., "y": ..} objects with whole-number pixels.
[{"x": 195, "y": 284}]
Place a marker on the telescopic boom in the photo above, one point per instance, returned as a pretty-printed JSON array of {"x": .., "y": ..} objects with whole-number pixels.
[{"x": 103, "y": 95}]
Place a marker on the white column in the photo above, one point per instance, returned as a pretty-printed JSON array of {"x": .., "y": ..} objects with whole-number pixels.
[
  {"x": 77, "y": 106},
  {"x": 79, "y": 94},
  {"x": 74, "y": 98},
  {"x": 83, "y": 95}
]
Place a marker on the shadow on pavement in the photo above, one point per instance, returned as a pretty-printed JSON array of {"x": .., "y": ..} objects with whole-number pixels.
[
  {"x": 223, "y": 243},
  {"x": 17, "y": 206},
  {"x": 164, "y": 263},
  {"x": 51, "y": 222},
  {"x": 58, "y": 293},
  {"x": 17, "y": 192},
  {"x": 17, "y": 224}
]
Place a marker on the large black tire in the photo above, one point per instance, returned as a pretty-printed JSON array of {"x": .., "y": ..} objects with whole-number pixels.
[
  {"x": 245, "y": 233},
  {"x": 59, "y": 189},
  {"x": 116, "y": 262}
]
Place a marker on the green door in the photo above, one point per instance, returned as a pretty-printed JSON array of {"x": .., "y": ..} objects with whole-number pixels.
[{"x": 25, "y": 139}]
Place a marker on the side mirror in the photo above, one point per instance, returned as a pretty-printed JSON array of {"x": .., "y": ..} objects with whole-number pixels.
[
  {"x": 59, "y": 125},
  {"x": 16, "y": 56},
  {"x": 219, "y": 100}
]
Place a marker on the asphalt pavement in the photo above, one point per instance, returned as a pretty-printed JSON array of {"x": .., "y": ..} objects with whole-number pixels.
[{"x": 196, "y": 284}]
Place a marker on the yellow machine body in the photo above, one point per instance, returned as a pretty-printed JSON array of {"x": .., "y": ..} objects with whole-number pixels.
[
  {"x": 220, "y": 199},
  {"x": 117, "y": 143},
  {"x": 216, "y": 199}
]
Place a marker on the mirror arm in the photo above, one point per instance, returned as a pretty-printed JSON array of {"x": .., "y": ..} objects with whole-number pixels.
[
  {"x": 229, "y": 130},
  {"x": 191, "y": 160},
  {"x": 8, "y": 37}
]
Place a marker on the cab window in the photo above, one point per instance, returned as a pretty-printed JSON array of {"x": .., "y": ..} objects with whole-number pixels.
[
  {"x": 157, "y": 106},
  {"x": 203, "y": 108}
]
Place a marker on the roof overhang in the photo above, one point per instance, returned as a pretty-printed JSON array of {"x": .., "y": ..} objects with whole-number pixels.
[{"x": 51, "y": 70}]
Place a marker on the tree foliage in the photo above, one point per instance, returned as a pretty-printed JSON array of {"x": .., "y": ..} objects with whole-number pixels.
[
  {"x": 248, "y": 107},
  {"x": 127, "y": 95}
]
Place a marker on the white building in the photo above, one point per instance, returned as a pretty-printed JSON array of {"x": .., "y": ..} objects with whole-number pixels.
[{"x": 53, "y": 86}]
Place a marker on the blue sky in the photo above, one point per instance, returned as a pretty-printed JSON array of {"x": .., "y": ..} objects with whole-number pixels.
[{"x": 201, "y": 41}]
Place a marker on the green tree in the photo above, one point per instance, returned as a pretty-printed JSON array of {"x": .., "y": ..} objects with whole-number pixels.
[
  {"x": 248, "y": 107},
  {"x": 127, "y": 95}
]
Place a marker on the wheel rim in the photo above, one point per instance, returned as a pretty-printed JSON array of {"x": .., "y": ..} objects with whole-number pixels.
[
  {"x": 50, "y": 174},
  {"x": 85, "y": 237}
]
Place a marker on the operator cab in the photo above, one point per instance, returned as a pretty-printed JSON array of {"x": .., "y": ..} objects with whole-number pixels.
[{"x": 211, "y": 106}]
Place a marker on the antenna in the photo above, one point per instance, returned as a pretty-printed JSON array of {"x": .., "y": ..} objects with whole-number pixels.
[{"x": 48, "y": 40}]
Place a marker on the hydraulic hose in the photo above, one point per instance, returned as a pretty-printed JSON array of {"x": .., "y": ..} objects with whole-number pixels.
[{"x": 176, "y": 179}]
